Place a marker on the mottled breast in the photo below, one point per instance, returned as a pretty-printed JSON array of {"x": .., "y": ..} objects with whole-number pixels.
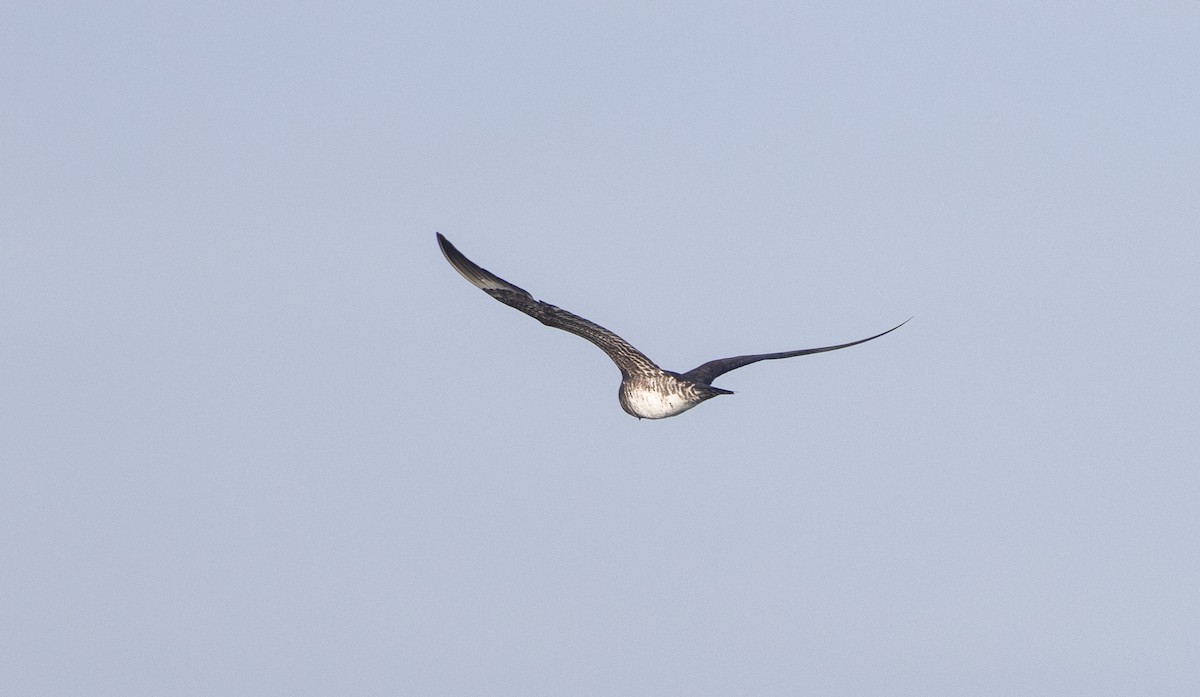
[{"x": 658, "y": 397}]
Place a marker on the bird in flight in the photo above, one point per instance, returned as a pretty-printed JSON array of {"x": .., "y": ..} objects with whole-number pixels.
[{"x": 647, "y": 391}]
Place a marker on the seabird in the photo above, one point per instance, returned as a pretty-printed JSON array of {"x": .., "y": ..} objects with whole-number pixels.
[{"x": 647, "y": 391}]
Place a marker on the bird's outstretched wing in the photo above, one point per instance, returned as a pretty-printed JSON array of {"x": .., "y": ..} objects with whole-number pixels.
[
  {"x": 709, "y": 371},
  {"x": 628, "y": 359}
]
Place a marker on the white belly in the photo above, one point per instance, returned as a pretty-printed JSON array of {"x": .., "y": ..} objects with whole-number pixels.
[{"x": 653, "y": 404}]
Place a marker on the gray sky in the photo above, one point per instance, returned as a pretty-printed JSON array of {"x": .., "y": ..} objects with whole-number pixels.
[{"x": 258, "y": 438}]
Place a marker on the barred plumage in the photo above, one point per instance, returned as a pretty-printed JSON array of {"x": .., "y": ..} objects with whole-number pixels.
[{"x": 647, "y": 391}]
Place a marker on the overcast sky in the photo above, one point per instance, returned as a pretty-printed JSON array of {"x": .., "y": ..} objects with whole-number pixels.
[{"x": 258, "y": 438}]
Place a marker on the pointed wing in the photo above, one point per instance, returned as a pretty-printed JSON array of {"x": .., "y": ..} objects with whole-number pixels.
[
  {"x": 628, "y": 359},
  {"x": 709, "y": 371}
]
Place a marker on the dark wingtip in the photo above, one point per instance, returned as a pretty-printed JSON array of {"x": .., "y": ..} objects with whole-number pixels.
[
  {"x": 451, "y": 253},
  {"x": 884, "y": 333}
]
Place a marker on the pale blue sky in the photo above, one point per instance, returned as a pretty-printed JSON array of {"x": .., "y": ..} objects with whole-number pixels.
[{"x": 258, "y": 438}]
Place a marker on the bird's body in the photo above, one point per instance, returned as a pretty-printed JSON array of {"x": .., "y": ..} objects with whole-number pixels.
[
  {"x": 657, "y": 396},
  {"x": 647, "y": 391}
]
